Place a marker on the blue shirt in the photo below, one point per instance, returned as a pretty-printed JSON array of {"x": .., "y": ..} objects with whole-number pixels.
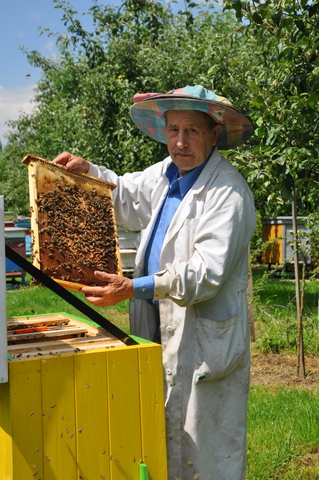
[{"x": 178, "y": 187}]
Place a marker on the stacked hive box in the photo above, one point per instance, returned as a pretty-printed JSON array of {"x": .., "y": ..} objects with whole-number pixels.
[
  {"x": 279, "y": 231},
  {"x": 79, "y": 404}
]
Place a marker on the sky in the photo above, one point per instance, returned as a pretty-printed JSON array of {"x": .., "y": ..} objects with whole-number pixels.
[{"x": 19, "y": 26}]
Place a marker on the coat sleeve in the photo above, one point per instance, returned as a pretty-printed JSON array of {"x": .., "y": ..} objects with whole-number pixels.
[
  {"x": 133, "y": 193},
  {"x": 209, "y": 249}
]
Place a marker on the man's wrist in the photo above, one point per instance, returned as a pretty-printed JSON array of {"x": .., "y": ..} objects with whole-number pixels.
[{"x": 143, "y": 287}]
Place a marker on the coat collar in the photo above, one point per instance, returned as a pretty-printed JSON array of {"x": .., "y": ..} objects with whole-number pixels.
[{"x": 184, "y": 209}]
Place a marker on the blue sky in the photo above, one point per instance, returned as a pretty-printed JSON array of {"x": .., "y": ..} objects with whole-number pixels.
[{"x": 19, "y": 26}]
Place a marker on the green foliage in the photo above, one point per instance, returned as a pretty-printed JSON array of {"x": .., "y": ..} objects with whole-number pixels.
[
  {"x": 312, "y": 224},
  {"x": 83, "y": 98},
  {"x": 265, "y": 62},
  {"x": 284, "y": 101}
]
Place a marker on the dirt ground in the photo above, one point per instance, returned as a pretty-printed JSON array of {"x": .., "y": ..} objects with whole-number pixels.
[{"x": 276, "y": 370}]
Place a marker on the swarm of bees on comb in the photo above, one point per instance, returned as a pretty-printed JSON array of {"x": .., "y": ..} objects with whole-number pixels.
[{"x": 73, "y": 224}]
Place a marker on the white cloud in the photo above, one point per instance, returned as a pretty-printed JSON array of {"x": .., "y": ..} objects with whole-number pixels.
[
  {"x": 49, "y": 46},
  {"x": 35, "y": 15},
  {"x": 12, "y": 103}
]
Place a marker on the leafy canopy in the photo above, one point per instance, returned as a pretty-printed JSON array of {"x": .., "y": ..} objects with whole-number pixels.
[{"x": 83, "y": 98}]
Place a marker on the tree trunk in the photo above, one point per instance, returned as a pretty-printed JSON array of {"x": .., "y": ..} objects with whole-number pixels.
[
  {"x": 300, "y": 346},
  {"x": 250, "y": 302}
]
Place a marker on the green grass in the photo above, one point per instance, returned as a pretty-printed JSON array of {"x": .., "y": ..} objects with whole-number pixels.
[
  {"x": 283, "y": 434},
  {"x": 276, "y": 315},
  {"x": 34, "y": 300},
  {"x": 281, "y": 293}
]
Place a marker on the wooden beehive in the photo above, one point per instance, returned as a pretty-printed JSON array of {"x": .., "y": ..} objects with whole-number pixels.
[
  {"x": 72, "y": 224},
  {"x": 79, "y": 404},
  {"x": 279, "y": 230}
]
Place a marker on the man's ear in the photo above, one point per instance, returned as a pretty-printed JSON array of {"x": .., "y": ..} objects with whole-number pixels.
[{"x": 216, "y": 131}]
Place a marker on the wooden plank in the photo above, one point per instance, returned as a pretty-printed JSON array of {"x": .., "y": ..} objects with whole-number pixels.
[
  {"x": 61, "y": 343},
  {"x": 273, "y": 253},
  {"x": 93, "y": 330},
  {"x": 14, "y": 324},
  {"x": 77, "y": 287},
  {"x": 65, "y": 351},
  {"x": 26, "y": 419},
  {"x": 56, "y": 348},
  {"x": 50, "y": 316},
  {"x": 124, "y": 413},
  {"x": 91, "y": 402},
  {"x": 16, "y": 273},
  {"x": 59, "y": 429},
  {"x": 33, "y": 197},
  {"x": 152, "y": 411},
  {"x": 20, "y": 337}
]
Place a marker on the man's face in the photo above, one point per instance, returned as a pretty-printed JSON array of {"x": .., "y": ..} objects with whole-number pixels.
[{"x": 189, "y": 138}]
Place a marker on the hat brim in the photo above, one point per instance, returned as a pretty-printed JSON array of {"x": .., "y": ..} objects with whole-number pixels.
[{"x": 148, "y": 115}]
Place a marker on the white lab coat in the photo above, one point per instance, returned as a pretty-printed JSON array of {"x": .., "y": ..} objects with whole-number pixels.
[{"x": 201, "y": 288}]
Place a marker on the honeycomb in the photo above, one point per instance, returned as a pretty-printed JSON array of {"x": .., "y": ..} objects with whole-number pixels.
[{"x": 73, "y": 224}]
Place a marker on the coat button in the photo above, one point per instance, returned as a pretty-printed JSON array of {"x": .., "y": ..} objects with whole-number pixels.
[
  {"x": 170, "y": 329},
  {"x": 169, "y": 371}
]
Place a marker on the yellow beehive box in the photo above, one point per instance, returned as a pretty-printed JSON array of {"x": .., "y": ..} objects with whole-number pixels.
[
  {"x": 90, "y": 409},
  {"x": 279, "y": 232}
]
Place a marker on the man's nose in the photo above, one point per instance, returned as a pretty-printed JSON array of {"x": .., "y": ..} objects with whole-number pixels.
[{"x": 181, "y": 140}]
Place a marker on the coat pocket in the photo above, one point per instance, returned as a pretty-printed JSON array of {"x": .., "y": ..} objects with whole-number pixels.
[{"x": 222, "y": 347}]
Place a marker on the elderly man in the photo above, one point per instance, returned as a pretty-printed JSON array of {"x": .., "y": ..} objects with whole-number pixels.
[{"x": 189, "y": 290}]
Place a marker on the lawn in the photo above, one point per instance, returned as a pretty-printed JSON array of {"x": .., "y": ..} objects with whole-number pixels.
[
  {"x": 283, "y": 434},
  {"x": 276, "y": 317}
]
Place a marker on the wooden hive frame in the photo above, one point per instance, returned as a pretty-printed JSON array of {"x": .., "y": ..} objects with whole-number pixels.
[
  {"x": 73, "y": 225},
  {"x": 52, "y": 334}
]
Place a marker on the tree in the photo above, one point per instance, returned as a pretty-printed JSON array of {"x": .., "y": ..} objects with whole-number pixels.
[
  {"x": 284, "y": 97},
  {"x": 285, "y": 161},
  {"x": 83, "y": 98}
]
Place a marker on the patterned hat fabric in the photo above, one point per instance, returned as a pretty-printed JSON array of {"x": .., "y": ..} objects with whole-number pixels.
[{"x": 149, "y": 108}]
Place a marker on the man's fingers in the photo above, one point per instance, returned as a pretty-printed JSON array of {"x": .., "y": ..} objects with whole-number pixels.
[
  {"x": 104, "y": 275},
  {"x": 93, "y": 291},
  {"x": 63, "y": 158},
  {"x": 71, "y": 162}
]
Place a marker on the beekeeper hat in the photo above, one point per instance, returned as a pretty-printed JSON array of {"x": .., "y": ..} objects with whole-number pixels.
[{"x": 149, "y": 108}]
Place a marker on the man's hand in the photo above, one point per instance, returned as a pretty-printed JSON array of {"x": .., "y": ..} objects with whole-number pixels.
[
  {"x": 71, "y": 162},
  {"x": 117, "y": 289}
]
